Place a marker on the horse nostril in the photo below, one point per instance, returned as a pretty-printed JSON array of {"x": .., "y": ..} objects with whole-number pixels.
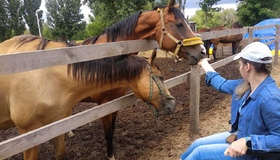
[{"x": 203, "y": 52}]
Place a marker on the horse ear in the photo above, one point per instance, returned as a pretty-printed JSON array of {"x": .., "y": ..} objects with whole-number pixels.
[
  {"x": 154, "y": 55},
  {"x": 171, "y": 3}
]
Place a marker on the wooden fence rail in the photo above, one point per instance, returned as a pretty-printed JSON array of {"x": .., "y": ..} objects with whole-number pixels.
[
  {"x": 19, "y": 62},
  {"x": 14, "y": 63}
]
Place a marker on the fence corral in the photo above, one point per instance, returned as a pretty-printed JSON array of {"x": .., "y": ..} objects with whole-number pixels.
[{"x": 71, "y": 55}]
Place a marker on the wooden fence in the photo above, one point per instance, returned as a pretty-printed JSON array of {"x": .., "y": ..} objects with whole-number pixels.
[{"x": 14, "y": 63}]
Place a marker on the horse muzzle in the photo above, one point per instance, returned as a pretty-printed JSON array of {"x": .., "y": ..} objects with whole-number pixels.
[
  {"x": 193, "y": 53},
  {"x": 168, "y": 105}
]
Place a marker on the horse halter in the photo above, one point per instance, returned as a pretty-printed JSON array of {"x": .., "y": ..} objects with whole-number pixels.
[
  {"x": 185, "y": 42},
  {"x": 162, "y": 92}
]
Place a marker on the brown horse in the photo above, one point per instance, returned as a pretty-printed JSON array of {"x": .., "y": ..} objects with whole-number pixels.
[
  {"x": 165, "y": 24},
  {"x": 233, "y": 39},
  {"x": 29, "y": 100}
]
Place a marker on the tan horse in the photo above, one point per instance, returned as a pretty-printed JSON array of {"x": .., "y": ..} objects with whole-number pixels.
[
  {"x": 29, "y": 100},
  {"x": 165, "y": 24}
]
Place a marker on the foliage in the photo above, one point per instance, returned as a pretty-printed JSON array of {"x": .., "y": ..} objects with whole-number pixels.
[
  {"x": 251, "y": 12},
  {"x": 206, "y": 6},
  {"x": 64, "y": 18},
  {"x": 107, "y": 12},
  {"x": 4, "y": 25},
  {"x": 15, "y": 19},
  {"x": 95, "y": 27},
  {"x": 225, "y": 17},
  {"x": 46, "y": 32},
  {"x": 81, "y": 35},
  {"x": 30, "y": 7}
]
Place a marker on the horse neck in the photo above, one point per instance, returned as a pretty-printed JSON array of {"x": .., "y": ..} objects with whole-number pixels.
[
  {"x": 147, "y": 25},
  {"x": 86, "y": 90}
]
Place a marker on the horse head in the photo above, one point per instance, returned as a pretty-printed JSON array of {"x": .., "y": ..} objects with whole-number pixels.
[
  {"x": 236, "y": 25},
  {"x": 156, "y": 95},
  {"x": 174, "y": 34}
]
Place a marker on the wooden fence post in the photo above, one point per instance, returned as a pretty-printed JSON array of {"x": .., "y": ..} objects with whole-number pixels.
[
  {"x": 277, "y": 38},
  {"x": 194, "y": 98},
  {"x": 251, "y": 36}
]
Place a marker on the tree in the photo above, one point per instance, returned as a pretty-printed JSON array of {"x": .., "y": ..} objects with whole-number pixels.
[
  {"x": 250, "y": 12},
  {"x": 64, "y": 18},
  {"x": 107, "y": 12},
  {"x": 225, "y": 17},
  {"x": 30, "y": 7},
  {"x": 206, "y": 6},
  {"x": 15, "y": 19},
  {"x": 4, "y": 25}
]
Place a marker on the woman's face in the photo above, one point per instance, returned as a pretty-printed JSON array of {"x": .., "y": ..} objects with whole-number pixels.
[{"x": 243, "y": 69}]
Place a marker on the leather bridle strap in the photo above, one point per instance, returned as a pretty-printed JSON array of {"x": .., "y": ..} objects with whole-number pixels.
[
  {"x": 186, "y": 42},
  {"x": 162, "y": 92}
]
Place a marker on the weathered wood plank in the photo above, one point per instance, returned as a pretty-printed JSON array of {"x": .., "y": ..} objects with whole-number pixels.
[
  {"x": 195, "y": 98},
  {"x": 19, "y": 62},
  {"x": 222, "y": 33}
]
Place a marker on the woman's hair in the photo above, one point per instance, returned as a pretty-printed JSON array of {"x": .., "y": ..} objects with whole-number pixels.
[{"x": 260, "y": 68}]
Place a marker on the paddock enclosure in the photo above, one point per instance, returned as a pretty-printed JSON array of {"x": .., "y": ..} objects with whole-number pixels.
[{"x": 139, "y": 135}]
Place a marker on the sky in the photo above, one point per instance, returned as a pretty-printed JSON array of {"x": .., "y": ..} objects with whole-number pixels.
[{"x": 190, "y": 9}]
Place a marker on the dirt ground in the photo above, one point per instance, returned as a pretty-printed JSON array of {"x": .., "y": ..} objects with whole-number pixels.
[{"x": 139, "y": 135}]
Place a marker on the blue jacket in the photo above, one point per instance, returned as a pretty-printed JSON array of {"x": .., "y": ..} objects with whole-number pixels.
[{"x": 257, "y": 116}]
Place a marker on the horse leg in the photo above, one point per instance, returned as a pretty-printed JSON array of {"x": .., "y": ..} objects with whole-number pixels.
[
  {"x": 233, "y": 47},
  {"x": 109, "y": 126},
  {"x": 31, "y": 153},
  {"x": 215, "y": 46},
  {"x": 59, "y": 145},
  {"x": 108, "y": 121},
  {"x": 207, "y": 46}
]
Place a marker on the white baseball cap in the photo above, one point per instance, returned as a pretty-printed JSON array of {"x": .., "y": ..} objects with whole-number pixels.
[{"x": 255, "y": 52}]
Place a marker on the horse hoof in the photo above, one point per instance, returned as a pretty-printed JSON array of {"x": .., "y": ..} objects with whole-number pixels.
[{"x": 111, "y": 158}]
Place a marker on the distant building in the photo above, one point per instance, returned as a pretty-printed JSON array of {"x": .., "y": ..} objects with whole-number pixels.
[{"x": 193, "y": 26}]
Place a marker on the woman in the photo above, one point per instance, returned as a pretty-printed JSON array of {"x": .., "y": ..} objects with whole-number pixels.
[{"x": 255, "y": 109}]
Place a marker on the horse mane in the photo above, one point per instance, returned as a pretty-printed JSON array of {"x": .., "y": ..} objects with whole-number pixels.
[
  {"x": 23, "y": 39},
  {"x": 90, "y": 40},
  {"x": 29, "y": 38},
  {"x": 122, "y": 28},
  {"x": 173, "y": 10},
  {"x": 108, "y": 70},
  {"x": 126, "y": 26}
]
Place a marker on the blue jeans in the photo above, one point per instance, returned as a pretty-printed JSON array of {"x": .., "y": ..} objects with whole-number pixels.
[{"x": 211, "y": 148}]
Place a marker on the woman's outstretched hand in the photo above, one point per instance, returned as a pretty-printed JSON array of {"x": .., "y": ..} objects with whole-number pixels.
[{"x": 205, "y": 65}]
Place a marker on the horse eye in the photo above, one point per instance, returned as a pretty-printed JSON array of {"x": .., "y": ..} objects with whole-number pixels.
[{"x": 179, "y": 24}]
